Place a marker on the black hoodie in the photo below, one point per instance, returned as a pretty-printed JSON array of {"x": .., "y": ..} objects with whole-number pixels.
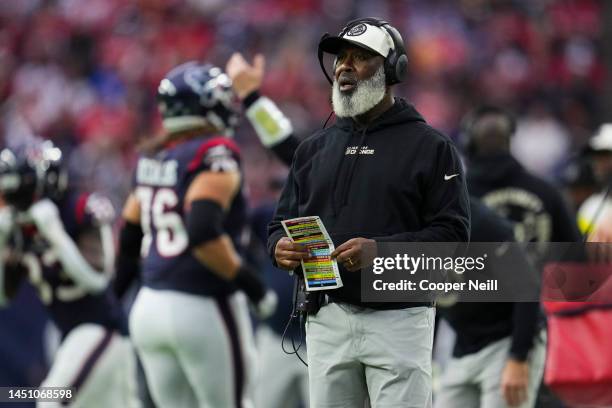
[
  {"x": 536, "y": 205},
  {"x": 398, "y": 180}
]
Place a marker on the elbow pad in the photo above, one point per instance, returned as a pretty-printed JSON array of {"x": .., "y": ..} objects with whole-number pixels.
[
  {"x": 269, "y": 122},
  {"x": 204, "y": 222}
]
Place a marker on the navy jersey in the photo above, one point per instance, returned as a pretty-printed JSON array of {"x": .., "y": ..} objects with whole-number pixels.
[
  {"x": 69, "y": 305},
  {"x": 161, "y": 183}
]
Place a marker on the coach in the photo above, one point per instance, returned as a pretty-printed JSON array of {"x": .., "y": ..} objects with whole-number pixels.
[{"x": 379, "y": 174}]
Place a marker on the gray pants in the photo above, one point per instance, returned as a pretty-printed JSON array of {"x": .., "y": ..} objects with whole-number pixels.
[
  {"x": 474, "y": 380},
  {"x": 355, "y": 353}
]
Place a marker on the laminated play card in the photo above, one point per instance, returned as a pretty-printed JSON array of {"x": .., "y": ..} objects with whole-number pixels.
[{"x": 320, "y": 270}]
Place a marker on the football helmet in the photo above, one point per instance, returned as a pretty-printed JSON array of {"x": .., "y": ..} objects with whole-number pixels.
[
  {"x": 32, "y": 172},
  {"x": 20, "y": 178},
  {"x": 194, "y": 95}
]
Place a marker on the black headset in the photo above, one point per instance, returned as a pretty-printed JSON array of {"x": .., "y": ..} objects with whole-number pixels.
[
  {"x": 470, "y": 120},
  {"x": 396, "y": 63}
]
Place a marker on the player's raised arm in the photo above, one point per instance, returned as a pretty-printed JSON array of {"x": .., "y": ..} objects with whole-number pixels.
[
  {"x": 91, "y": 274},
  {"x": 273, "y": 128}
]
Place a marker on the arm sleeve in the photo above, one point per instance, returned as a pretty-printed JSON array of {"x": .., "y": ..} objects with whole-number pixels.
[
  {"x": 127, "y": 267},
  {"x": 287, "y": 208},
  {"x": 286, "y": 149},
  {"x": 74, "y": 264},
  {"x": 524, "y": 326},
  {"x": 94, "y": 215},
  {"x": 446, "y": 206},
  {"x": 564, "y": 224},
  {"x": 487, "y": 226}
]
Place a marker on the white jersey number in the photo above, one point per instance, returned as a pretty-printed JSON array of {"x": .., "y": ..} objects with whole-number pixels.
[{"x": 157, "y": 212}]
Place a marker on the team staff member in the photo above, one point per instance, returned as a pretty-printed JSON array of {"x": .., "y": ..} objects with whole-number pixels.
[
  {"x": 537, "y": 208},
  {"x": 497, "y": 358},
  {"x": 379, "y": 174}
]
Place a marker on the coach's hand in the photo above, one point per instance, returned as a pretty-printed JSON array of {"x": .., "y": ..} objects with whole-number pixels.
[
  {"x": 288, "y": 254},
  {"x": 355, "y": 253},
  {"x": 245, "y": 77},
  {"x": 515, "y": 382}
]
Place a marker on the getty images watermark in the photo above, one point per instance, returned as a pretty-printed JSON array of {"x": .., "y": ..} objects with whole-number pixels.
[{"x": 484, "y": 272}]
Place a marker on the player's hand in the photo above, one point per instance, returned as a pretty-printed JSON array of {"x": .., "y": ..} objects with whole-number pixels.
[
  {"x": 245, "y": 77},
  {"x": 266, "y": 306},
  {"x": 515, "y": 382},
  {"x": 45, "y": 215},
  {"x": 288, "y": 254},
  {"x": 355, "y": 253}
]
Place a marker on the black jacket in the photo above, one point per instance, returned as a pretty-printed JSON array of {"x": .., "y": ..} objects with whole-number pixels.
[
  {"x": 479, "y": 324},
  {"x": 534, "y": 204},
  {"x": 398, "y": 180}
]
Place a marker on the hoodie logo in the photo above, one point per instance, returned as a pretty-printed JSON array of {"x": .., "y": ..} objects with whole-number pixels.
[
  {"x": 360, "y": 149},
  {"x": 447, "y": 177}
]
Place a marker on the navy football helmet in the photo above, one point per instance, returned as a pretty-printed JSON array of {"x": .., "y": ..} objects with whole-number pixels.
[
  {"x": 32, "y": 172},
  {"x": 20, "y": 178},
  {"x": 194, "y": 95}
]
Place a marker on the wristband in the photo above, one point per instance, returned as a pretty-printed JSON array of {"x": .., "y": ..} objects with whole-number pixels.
[{"x": 270, "y": 124}]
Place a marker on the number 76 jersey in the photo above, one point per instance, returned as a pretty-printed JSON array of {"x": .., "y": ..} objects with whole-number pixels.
[{"x": 161, "y": 182}]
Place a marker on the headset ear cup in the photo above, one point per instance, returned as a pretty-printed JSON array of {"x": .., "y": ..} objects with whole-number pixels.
[
  {"x": 401, "y": 67},
  {"x": 389, "y": 64}
]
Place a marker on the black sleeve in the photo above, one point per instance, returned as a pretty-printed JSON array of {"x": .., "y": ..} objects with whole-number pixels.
[
  {"x": 565, "y": 227},
  {"x": 127, "y": 264},
  {"x": 14, "y": 273},
  {"x": 286, "y": 149},
  {"x": 524, "y": 325},
  {"x": 446, "y": 207},
  {"x": 287, "y": 208}
]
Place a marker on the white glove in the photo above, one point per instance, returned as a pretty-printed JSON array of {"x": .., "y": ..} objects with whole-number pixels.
[
  {"x": 266, "y": 306},
  {"x": 46, "y": 216}
]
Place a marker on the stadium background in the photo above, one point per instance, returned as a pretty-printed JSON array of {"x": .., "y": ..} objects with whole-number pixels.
[{"x": 84, "y": 73}]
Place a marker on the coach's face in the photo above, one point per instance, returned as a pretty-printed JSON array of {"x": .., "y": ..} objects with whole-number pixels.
[
  {"x": 354, "y": 64},
  {"x": 359, "y": 82}
]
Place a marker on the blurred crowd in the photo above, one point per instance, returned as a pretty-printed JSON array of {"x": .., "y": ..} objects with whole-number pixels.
[{"x": 84, "y": 73}]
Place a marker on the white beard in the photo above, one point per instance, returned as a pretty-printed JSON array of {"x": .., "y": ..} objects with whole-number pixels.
[{"x": 367, "y": 94}]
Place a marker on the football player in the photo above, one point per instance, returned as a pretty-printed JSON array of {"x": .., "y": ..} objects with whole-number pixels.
[
  {"x": 61, "y": 242},
  {"x": 185, "y": 217}
]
